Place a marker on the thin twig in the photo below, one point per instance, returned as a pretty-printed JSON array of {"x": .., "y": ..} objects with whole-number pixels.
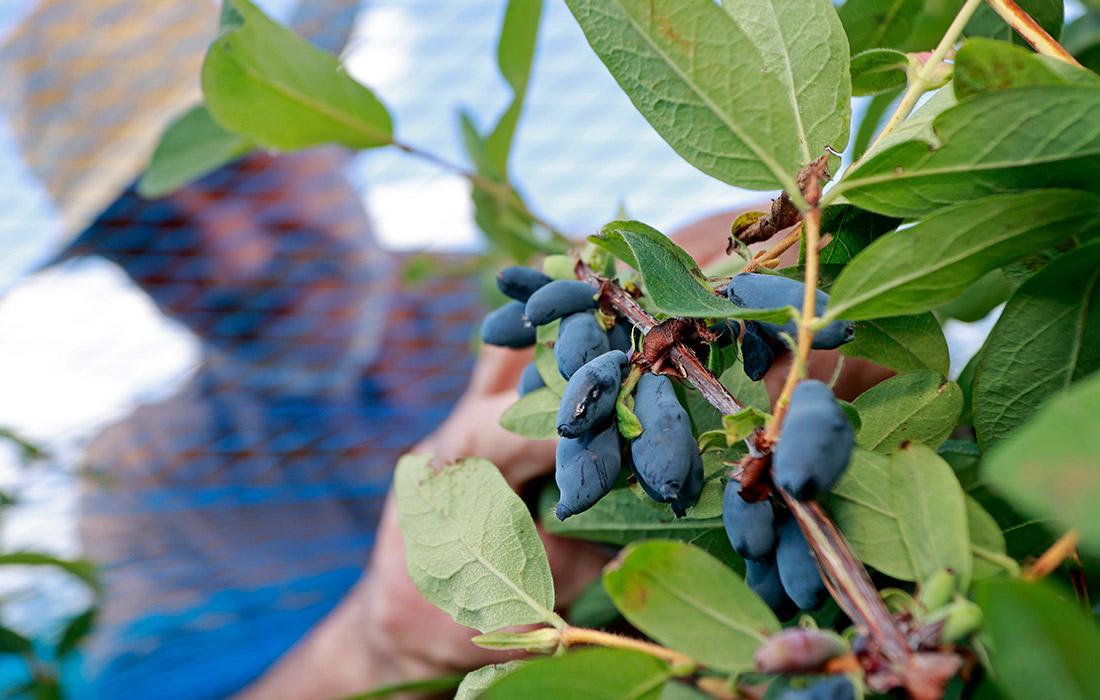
[
  {"x": 1053, "y": 557},
  {"x": 571, "y": 636},
  {"x": 1030, "y": 30},
  {"x": 922, "y": 81},
  {"x": 775, "y": 251}
]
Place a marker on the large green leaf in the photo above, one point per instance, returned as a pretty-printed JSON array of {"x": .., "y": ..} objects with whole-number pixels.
[
  {"x": 862, "y": 505},
  {"x": 672, "y": 278},
  {"x": 931, "y": 511},
  {"x": 1047, "y": 337},
  {"x": 1041, "y": 645},
  {"x": 1050, "y": 466},
  {"x": 619, "y": 518},
  {"x": 919, "y": 268},
  {"x": 906, "y": 25},
  {"x": 983, "y": 65},
  {"x": 263, "y": 81},
  {"x": 686, "y": 599},
  {"x": 1031, "y": 137},
  {"x": 600, "y": 674},
  {"x": 902, "y": 343},
  {"x": 470, "y": 544},
  {"x": 812, "y": 65},
  {"x": 515, "y": 52},
  {"x": 914, "y": 407},
  {"x": 190, "y": 147},
  {"x": 688, "y": 67},
  {"x": 917, "y": 127}
]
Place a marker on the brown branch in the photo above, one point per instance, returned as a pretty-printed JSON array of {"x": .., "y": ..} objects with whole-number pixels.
[
  {"x": 843, "y": 573},
  {"x": 1053, "y": 557},
  {"x": 1030, "y": 30}
]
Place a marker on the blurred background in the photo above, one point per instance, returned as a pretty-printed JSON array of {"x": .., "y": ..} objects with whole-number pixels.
[{"x": 254, "y": 340}]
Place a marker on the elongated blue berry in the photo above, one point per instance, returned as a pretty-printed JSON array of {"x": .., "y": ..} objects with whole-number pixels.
[
  {"x": 756, "y": 354},
  {"x": 508, "y": 327},
  {"x": 815, "y": 443},
  {"x": 756, "y": 291},
  {"x": 581, "y": 339},
  {"x": 520, "y": 282},
  {"x": 665, "y": 454},
  {"x": 763, "y": 578},
  {"x": 559, "y": 299},
  {"x": 749, "y": 526},
  {"x": 530, "y": 380},
  {"x": 586, "y": 468},
  {"x": 797, "y": 569},
  {"x": 589, "y": 396}
]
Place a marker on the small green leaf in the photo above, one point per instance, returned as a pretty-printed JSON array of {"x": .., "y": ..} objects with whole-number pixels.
[
  {"x": 534, "y": 416},
  {"x": 189, "y": 148},
  {"x": 471, "y": 546},
  {"x": 917, "y": 269},
  {"x": 545, "y": 361},
  {"x": 1049, "y": 465},
  {"x": 902, "y": 343},
  {"x": 1047, "y": 337},
  {"x": 515, "y": 52},
  {"x": 619, "y": 518},
  {"x": 543, "y": 640},
  {"x": 263, "y": 81},
  {"x": 983, "y": 65},
  {"x": 1041, "y": 644},
  {"x": 429, "y": 686},
  {"x": 878, "y": 70},
  {"x": 686, "y": 66},
  {"x": 686, "y": 599},
  {"x": 741, "y": 424},
  {"x": 11, "y": 642},
  {"x": 1023, "y": 139},
  {"x": 931, "y": 511},
  {"x": 75, "y": 632},
  {"x": 600, "y": 674},
  {"x": 915, "y": 406},
  {"x": 476, "y": 682}
]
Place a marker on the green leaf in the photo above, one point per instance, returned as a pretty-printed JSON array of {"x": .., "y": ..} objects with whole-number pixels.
[
  {"x": 862, "y": 506},
  {"x": 983, "y": 65},
  {"x": 1011, "y": 140},
  {"x": 741, "y": 424},
  {"x": 619, "y": 518},
  {"x": 879, "y": 70},
  {"x": 813, "y": 67},
  {"x": 686, "y": 599},
  {"x": 438, "y": 684},
  {"x": 919, "y": 268},
  {"x": 681, "y": 691},
  {"x": 918, "y": 127},
  {"x": 11, "y": 642},
  {"x": 471, "y": 545},
  {"x": 263, "y": 81},
  {"x": 82, "y": 569},
  {"x": 1041, "y": 645},
  {"x": 987, "y": 23},
  {"x": 749, "y": 393},
  {"x": 476, "y": 682},
  {"x": 686, "y": 66},
  {"x": 534, "y": 416},
  {"x": 852, "y": 229},
  {"x": 902, "y": 343},
  {"x": 1047, "y": 337},
  {"x": 672, "y": 279},
  {"x": 907, "y": 25},
  {"x": 189, "y": 148},
  {"x": 515, "y": 52},
  {"x": 75, "y": 632},
  {"x": 1049, "y": 465},
  {"x": 600, "y": 674},
  {"x": 987, "y": 293},
  {"x": 873, "y": 117},
  {"x": 931, "y": 512},
  {"x": 593, "y": 608},
  {"x": 915, "y": 406},
  {"x": 545, "y": 361}
]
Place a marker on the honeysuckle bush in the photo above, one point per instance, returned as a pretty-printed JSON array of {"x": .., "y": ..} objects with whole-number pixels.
[{"x": 958, "y": 544}]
